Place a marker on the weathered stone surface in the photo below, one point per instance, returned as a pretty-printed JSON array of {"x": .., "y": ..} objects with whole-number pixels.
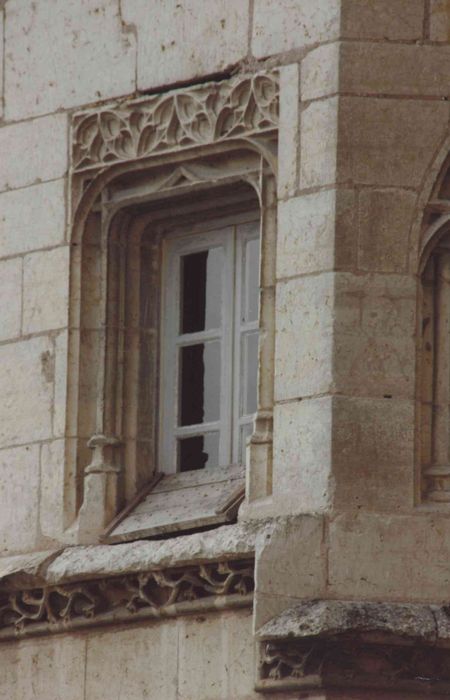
[
  {"x": 319, "y": 137},
  {"x": 32, "y": 218},
  {"x": 24, "y": 567},
  {"x": 384, "y": 220},
  {"x": 180, "y": 41},
  {"x": 374, "y": 352},
  {"x": 45, "y": 669},
  {"x": 440, "y": 20},
  {"x": 373, "y": 453},
  {"x": 45, "y": 290},
  {"x": 382, "y": 19},
  {"x": 115, "y": 660},
  {"x": 414, "y": 550},
  {"x": 26, "y": 388},
  {"x": 302, "y": 460},
  {"x": 289, "y": 130},
  {"x": 290, "y": 565},
  {"x": 305, "y": 322},
  {"x": 230, "y": 541},
  {"x": 319, "y": 618},
  {"x": 60, "y": 392},
  {"x": 392, "y": 69},
  {"x": 294, "y": 25},
  {"x": 10, "y": 298},
  {"x": 52, "y": 489},
  {"x": 388, "y": 142},
  {"x": 320, "y": 72},
  {"x": 18, "y": 467},
  {"x": 306, "y": 230},
  {"x": 33, "y": 151},
  {"x": 61, "y": 54}
]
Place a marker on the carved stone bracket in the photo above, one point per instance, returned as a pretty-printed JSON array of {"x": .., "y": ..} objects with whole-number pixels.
[
  {"x": 132, "y": 597},
  {"x": 205, "y": 114},
  {"x": 350, "y": 644}
]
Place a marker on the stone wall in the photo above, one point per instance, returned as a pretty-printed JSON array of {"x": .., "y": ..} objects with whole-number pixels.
[{"x": 363, "y": 133}]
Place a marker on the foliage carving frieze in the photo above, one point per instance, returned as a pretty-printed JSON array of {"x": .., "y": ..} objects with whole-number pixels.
[
  {"x": 354, "y": 663},
  {"x": 147, "y": 594},
  {"x": 205, "y": 114}
]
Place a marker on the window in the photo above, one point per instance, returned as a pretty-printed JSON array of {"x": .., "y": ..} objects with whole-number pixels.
[
  {"x": 146, "y": 174},
  {"x": 209, "y": 350}
]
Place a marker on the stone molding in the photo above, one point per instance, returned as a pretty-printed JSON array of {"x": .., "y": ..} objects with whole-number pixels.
[
  {"x": 355, "y": 644},
  {"x": 128, "y": 598},
  {"x": 194, "y": 116}
]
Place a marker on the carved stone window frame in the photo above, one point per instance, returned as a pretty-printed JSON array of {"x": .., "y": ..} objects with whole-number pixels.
[{"x": 209, "y": 136}]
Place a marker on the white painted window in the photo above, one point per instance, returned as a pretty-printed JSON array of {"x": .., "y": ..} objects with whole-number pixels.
[{"x": 209, "y": 346}]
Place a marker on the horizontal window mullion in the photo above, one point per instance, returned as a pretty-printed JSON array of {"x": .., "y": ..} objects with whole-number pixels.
[
  {"x": 197, "y": 429},
  {"x": 200, "y": 337},
  {"x": 249, "y": 326}
]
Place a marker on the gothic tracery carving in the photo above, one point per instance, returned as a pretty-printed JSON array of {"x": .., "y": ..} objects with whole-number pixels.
[
  {"x": 199, "y": 115},
  {"x": 148, "y": 591}
]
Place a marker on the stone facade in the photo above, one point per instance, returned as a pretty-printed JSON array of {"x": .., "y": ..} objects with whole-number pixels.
[{"x": 332, "y": 115}]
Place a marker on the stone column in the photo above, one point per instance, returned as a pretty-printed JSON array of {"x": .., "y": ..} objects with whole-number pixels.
[{"x": 438, "y": 476}]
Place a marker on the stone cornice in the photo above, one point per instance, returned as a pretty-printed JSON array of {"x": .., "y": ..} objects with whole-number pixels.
[
  {"x": 128, "y": 598},
  {"x": 237, "y": 108},
  {"x": 357, "y": 644}
]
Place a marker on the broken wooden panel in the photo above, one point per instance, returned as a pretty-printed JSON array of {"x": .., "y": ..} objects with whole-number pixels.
[{"x": 180, "y": 502}]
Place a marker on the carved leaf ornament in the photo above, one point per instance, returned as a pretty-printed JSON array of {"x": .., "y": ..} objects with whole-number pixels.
[
  {"x": 201, "y": 115},
  {"x": 153, "y": 591}
]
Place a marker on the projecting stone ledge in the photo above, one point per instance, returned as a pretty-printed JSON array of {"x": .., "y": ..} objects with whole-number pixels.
[{"x": 357, "y": 644}]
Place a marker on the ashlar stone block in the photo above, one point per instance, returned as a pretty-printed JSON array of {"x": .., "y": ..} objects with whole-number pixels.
[
  {"x": 32, "y": 218},
  {"x": 141, "y": 661},
  {"x": 33, "y": 151},
  {"x": 319, "y": 139},
  {"x": 382, "y": 19},
  {"x": 373, "y": 453},
  {"x": 60, "y": 53},
  {"x": 45, "y": 295},
  {"x": 414, "y": 550},
  {"x": 396, "y": 69},
  {"x": 291, "y": 566},
  {"x": 389, "y": 142},
  {"x": 374, "y": 346},
  {"x": 302, "y": 460},
  {"x": 304, "y": 337},
  {"x": 10, "y": 298},
  {"x": 182, "y": 39},
  {"x": 52, "y": 489},
  {"x": 306, "y": 232},
  {"x": 293, "y": 25},
  {"x": 289, "y": 130},
  {"x": 320, "y": 72},
  {"x": 50, "y": 669},
  {"x": 19, "y": 496},
  {"x": 440, "y": 20},
  {"x": 384, "y": 220},
  {"x": 26, "y": 388}
]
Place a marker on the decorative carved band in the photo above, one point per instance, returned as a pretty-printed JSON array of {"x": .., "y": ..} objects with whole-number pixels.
[
  {"x": 149, "y": 594},
  {"x": 343, "y": 662},
  {"x": 205, "y": 114}
]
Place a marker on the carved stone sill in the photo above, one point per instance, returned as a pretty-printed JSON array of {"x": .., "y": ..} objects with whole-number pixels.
[
  {"x": 352, "y": 644},
  {"x": 48, "y": 592}
]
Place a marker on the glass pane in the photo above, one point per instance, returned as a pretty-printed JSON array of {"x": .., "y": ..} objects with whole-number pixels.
[
  {"x": 251, "y": 280},
  {"x": 250, "y": 369},
  {"x": 200, "y": 383},
  {"x": 201, "y": 290},
  {"x": 198, "y": 452}
]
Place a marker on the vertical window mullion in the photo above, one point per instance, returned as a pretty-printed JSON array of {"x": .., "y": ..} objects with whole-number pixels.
[{"x": 226, "y": 431}]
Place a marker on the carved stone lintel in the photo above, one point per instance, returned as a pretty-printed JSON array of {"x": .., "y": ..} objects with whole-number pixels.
[
  {"x": 148, "y": 594},
  {"x": 205, "y": 114}
]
